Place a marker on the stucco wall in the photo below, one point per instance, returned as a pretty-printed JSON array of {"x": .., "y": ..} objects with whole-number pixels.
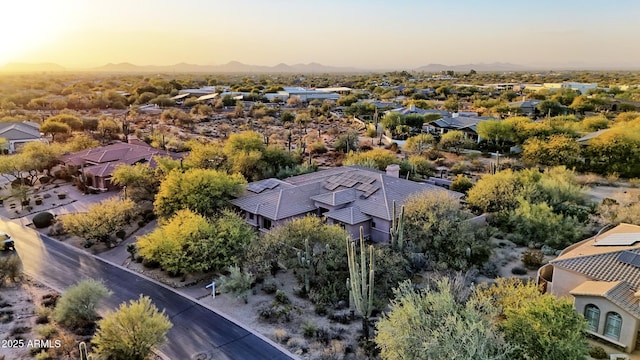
[
  {"x": 564, "y": 281},
  {"x": 629, "y": 323}
]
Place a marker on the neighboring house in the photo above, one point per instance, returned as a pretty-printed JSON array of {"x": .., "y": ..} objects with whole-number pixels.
[
  {"x": 18, "y": 133},
  {"x": 350, "y": 196},
  {"x": 466, "y": 124},
  {"x": 412, "y": 109},
  {"x": 587, "y": 138},
  {"x": 526, "y": 107},
  {"x": 602, "y": 276},
  {"x": 97, "y": 165}
]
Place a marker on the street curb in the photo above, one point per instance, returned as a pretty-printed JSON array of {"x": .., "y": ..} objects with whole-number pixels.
[{"x": 225, "y": 316}]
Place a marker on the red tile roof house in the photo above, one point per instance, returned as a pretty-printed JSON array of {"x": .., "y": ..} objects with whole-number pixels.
[
  {"x": 98, "y": 164},
  {"x": 602, "y": 277},
  {"x": 350, "y": 196}
]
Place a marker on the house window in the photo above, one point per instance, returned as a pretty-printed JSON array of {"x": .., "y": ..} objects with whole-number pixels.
[
  {"x": 250, "y": 216},
  {"x": 613, "y": 325},
  {"x": 373, "y": 224},
  {"x": 266, "y": 223},
  {"x": 592, "y": 314}
]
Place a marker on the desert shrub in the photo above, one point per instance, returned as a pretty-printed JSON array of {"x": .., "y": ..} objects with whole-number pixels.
[
  {"x": 50, "y": 300},
  {"x": 237, "y": 282},
  {"x": 519, "y": 271},
  {"x": 42, "y": 355},
  {"x": 598, "y": 352},
  {"x": 46, "y": 331},
  {"x": 10, "y": 268},
  {"x": 532, "y": 258},
  {"x": 42, "y": 220},
  {"x": 461, "y": 184},
  {"x": 308, "y": 329},
  {"x": 77, "y": 306},
  {"x": 318, "y": 147},
  {"x": 42, "y": 314},
  {"x": 269, "y": 287},
  {"x": 459, "y": 168},
  {"x": 281, "y": 335},
  {"x": 281, "y": 298}
]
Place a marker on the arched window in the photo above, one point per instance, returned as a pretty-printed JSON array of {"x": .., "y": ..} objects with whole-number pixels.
[
  {"x": 613, "y": 325},
  {"x": 592, "y": 314}
]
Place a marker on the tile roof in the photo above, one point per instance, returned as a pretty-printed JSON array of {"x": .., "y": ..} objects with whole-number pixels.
[
  {"x": 613, "y": 276},
  {"x": 19, "y": 130},
  {"x": 351, "y": 215},
  {"x": 592, "y": 135},
  {"x": 336, "y": 198},
  {"x": 371, "y": 191},
  {"x": 620, "y": 293},
  {"x": 101, "y": 161},
  {"x": 460, "y": 122}
]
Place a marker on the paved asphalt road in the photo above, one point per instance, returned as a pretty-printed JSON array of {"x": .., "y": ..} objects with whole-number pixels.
[{"x": 197, "y": 333}]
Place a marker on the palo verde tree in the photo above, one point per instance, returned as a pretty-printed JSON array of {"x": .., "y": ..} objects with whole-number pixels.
[
  {"x": 204, "y": 191},
  {"x": 132, "y": 331},
  {"x": 361, "y": 280},
  {"x": 78, "y": 305},
  {"x": 101, "y": 220}
]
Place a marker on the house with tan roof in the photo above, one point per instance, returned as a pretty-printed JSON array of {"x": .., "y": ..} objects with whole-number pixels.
[
  {"x": 97, "y": 165},
  {"x": 602, "y": 276},
  {"x": 350, "y": 196}
]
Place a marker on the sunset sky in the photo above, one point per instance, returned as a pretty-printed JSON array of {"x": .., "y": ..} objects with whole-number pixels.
[{"x": 368, "y": 34}]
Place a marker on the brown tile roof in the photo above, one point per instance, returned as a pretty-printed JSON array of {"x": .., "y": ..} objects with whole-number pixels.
[{"x": 614, "y": 271}]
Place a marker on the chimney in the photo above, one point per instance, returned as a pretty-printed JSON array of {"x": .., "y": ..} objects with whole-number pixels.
[{"x": 393, "y": 170}]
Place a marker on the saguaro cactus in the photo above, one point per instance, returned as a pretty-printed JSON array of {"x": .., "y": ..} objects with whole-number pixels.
[
  {"x": 84, "y": 355},
  {"x": 361, "y": 280},
  {"x": 397, "y": 229},
  {"x": 304, "y": 260}
]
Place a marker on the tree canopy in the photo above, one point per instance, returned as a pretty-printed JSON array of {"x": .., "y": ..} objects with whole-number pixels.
[{"x": 204, "y": 191}]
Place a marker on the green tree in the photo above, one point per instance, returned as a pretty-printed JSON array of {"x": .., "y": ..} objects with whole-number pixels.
[
  {"x": 205, "y": 156},
  {"x": 616, "y": 151},
  {"x": 550, "y": 108},
  {"x": 108, "y": 128},
  {"x": 539, "y": 326},
  {"x": 435, "y": 224},
  {"x": 101, "y": 220},
  {"x": 537, "y": 223},
  {"x": 557, "y": 150},
  {"x": 132, "y": 331},
  {"x": 347, "y": 142},
  {"x": 451, "y": 104},
  {"x": 77, "y": 306},
  {"x": 378, "y": 158},
  {"x": 430, "y": 324},
  {"x": 496, "y": 131},
  {"x": 453, "y": 140},
  {"x": 54, "y": 127},
  {"x": 80, "y": 142},
  {"x": 391, "y": 120},
  {"x": 188, "y": 242},
  {"x": 419, "y": 143},
  {"x": 204, "y": 191},
  {"x": 72, "y": 121},
  {"x": 141, "y": 181}
]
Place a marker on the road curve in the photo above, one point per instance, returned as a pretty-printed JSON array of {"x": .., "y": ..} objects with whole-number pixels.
[{"x": 197, "y": 333}]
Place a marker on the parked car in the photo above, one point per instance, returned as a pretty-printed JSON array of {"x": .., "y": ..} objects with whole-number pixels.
[{"x": 6, "y": 243}]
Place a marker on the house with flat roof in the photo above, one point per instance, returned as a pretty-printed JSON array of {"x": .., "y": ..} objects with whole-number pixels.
[
  {"x": 602, "y": 277},
  {"x": 350, "y": 196},
  {"x": 97, "y": 165},
  {"x": 19, "y": 133}
]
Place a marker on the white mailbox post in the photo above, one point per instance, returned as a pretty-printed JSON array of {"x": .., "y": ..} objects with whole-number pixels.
[{"x": 213, "y": 288}]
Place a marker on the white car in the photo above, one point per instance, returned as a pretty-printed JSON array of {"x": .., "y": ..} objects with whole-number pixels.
[{"x": 6, "y": 243}]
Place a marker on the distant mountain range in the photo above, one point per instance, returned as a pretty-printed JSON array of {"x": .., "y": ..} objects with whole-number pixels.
[
  {"x": 238, "y": 67},
  {"x": 497, "y": 66},
  {"x": 231, "y": 67}
]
